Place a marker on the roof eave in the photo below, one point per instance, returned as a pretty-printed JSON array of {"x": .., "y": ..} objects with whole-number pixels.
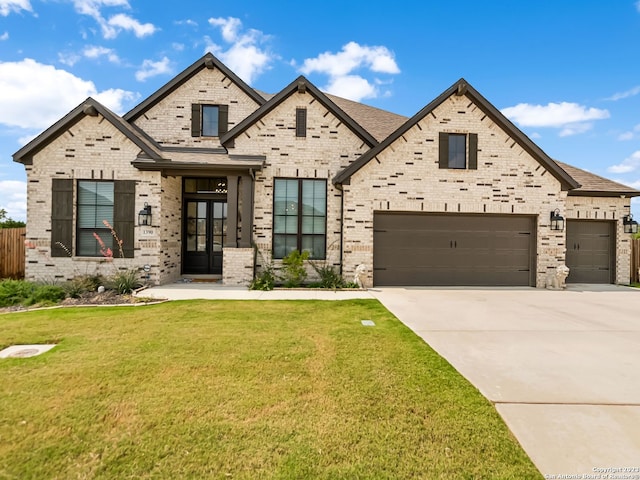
[
  {"x": 207, "y": 61},
  {"x": 300, "y": 84},
  {"x": 603, "y": 193}
]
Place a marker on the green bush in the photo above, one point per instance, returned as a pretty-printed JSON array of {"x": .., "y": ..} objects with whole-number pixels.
[
  {"x": 15, "y": 292},
  {"x": 125, "y": 281},
  {"x": 329, "y": 277},
  {"x": 83, "y": 284},
  {"x": 45, "y": 295},
  {"x": 293, "y": 268},
  {"x": 265, "y": 280}
]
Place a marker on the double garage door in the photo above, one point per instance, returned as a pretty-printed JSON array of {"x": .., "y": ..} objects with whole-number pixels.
[
  {"x": 426, "y": 249},
  {"x": 481, "y": 250}
]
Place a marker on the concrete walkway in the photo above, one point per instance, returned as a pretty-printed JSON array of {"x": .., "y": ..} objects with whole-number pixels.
[{"x": 562, "y": 367}]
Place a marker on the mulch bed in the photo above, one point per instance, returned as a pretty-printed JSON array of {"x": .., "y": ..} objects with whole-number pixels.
[{"x": 108, "y": 297}]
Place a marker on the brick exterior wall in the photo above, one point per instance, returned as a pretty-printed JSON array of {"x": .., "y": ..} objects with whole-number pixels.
[
  {"x": 328, "y": 148},
  {"x": 610, "y": 209},
  {"x": 406, "y": 177},
  {"x": 92, "y": 149},
  {"x": 169, "y": 121}
]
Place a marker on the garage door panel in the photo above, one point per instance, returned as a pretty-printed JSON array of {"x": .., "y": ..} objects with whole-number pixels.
[
  {"x": 590, "y": 251},
  {"x": 422, "y": 249}
]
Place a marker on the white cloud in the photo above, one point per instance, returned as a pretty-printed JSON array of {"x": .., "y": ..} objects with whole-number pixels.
[
  {"x": 638, "y": 5},
  {"x": 229, "y": 27},
  {"x": 94, "y": 52},
  {"x": 553, "y": 114},
  {"x": 352, "y": 57},
  {"x": 629, "y": 164},
  {"x": 4, "y": 36},
  {"x": 626, "y": 94},
  {"x": 34, "y": 95},
  {"x": 353, "y": 87},
  {"x": 15, "y": 6},
  {"x": 117, "y": 23},
  {"x": 151, "y": 69},
  {"x": 13, "y": 198},
  {"x": 245, "y": 55},
  {"x": 125, "y": 22},
  {"x": 630, "y": 135},
  {"x": 575, "y": 129},
  {"x": 341, "y": 67}
]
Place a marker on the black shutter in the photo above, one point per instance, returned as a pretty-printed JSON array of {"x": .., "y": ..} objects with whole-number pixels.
[
  {"x": 473, "y": 151},
  {"x": 301, "y": 122},
  {"x": 444, "y": 150},
  {"x": 124, "y": 215},
  {"x": 61, "y": 217},
  {"x": 223, "y": 119},
  {"x": 196, "y": 123}
]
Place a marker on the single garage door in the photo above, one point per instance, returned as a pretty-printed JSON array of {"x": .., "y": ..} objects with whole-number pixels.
[
  {"x": 458, "y": 249},
  {"x": 590, "y": 247}
]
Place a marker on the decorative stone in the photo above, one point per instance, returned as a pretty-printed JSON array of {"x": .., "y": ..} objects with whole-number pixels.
[{"x": 100, "y": 289}]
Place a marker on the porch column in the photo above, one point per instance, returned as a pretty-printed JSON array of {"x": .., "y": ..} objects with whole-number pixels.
[
  {"x": 232, "y": 211},
  {"x": 247, "y": 211}
]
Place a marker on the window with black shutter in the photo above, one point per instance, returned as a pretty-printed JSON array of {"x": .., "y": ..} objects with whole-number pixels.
[
  {"x": 209, "y": 120},
  {"x": 301, "y": 122},
  {"x": 458, "y": 150}
]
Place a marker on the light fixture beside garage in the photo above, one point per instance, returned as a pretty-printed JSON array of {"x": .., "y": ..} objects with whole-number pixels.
[
  {"x": 630, "y": 225},
  {"x": 557, "y": 221}
]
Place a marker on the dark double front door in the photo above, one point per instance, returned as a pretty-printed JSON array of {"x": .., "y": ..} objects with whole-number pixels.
[{"x": 205, "y": 231}]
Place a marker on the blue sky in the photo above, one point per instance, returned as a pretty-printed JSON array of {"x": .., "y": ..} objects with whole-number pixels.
[{"x": 566, "y": 72}]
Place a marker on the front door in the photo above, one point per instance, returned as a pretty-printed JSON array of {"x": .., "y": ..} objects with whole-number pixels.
[{"x": 205, "y": 233}]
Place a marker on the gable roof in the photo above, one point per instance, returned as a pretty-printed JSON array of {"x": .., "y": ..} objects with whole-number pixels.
[
  {"x": 303, "y": 85},
  {"x": 90, "y": 107},
  {"x": 592, "y": 185},
  {"x": 462, "y": 87},
  {"x": 208, "y": 61}
]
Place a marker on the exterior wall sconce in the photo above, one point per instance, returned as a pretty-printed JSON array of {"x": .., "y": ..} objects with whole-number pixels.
[
  {"x": 557, "y": 221},
  {"x": 144, "y": 217},
  {"x": 630, "y": 225}
]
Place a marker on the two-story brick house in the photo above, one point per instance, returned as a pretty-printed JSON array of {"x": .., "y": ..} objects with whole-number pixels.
[{"x": 231, "y": 178}]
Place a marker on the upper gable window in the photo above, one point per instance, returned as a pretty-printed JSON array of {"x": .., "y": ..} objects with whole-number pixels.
[
  {"x": 209, "y": 120},
  {"x": 458, "y": 151}
]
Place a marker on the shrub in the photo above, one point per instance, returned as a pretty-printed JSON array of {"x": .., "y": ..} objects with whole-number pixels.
[
  {"x": 329, "y": 276},
  {"x": 83, "y": 284},
  {"x": 15, "y": 292},
  {"x": 265, "y": 280},
  {"x": 45, "y": 295},
  {"x": 125, "y": 281},
  {"x": 294, "y": 271}
]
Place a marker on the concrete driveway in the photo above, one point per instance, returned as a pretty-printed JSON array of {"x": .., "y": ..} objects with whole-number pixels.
[{"x": 562, "y": 367}]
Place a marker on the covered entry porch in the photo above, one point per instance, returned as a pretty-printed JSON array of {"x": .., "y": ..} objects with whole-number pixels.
[{"x": 214, "y": 207}]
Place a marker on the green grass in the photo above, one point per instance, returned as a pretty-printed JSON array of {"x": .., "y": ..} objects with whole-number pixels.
[{"x": 241, "y": 389}]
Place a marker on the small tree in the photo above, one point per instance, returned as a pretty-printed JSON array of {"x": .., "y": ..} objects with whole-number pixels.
[{"x": 6, "y": 222}]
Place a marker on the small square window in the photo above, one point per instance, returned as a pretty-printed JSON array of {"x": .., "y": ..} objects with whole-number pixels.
[{"x": 458, "y": 151}]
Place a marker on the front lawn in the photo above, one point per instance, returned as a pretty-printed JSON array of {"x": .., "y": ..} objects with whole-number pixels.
[{"x": 241, "y": 389}]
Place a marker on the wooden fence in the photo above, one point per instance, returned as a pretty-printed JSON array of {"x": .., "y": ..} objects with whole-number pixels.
[
  {"x": 635, "y": 260},
  {"x": 12, "y": 252}
]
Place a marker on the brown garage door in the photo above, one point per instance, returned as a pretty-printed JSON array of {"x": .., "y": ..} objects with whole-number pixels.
[
  {"x": 427, "y": 249},
  {"x": 590, "y": 247}
]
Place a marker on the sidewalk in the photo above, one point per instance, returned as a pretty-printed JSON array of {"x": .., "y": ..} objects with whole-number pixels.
[{"x": 207, "y": 291}]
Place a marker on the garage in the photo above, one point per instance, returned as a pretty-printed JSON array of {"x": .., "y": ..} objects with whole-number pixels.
[
  {"x": 590, "y": 251},
  {"x": 415, "y": 249}
]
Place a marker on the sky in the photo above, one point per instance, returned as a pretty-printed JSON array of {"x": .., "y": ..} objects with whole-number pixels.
[{"x": 566, "y": 72}]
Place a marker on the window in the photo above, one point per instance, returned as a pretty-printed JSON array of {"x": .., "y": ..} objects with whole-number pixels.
[
  {"x": 299, "y": 217},
  {"x": 95, "y": 205},
  {"x": 301, "y": 122},
  {"x": 454, "y": 153},
  {"x": 209, "y": 120}
]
